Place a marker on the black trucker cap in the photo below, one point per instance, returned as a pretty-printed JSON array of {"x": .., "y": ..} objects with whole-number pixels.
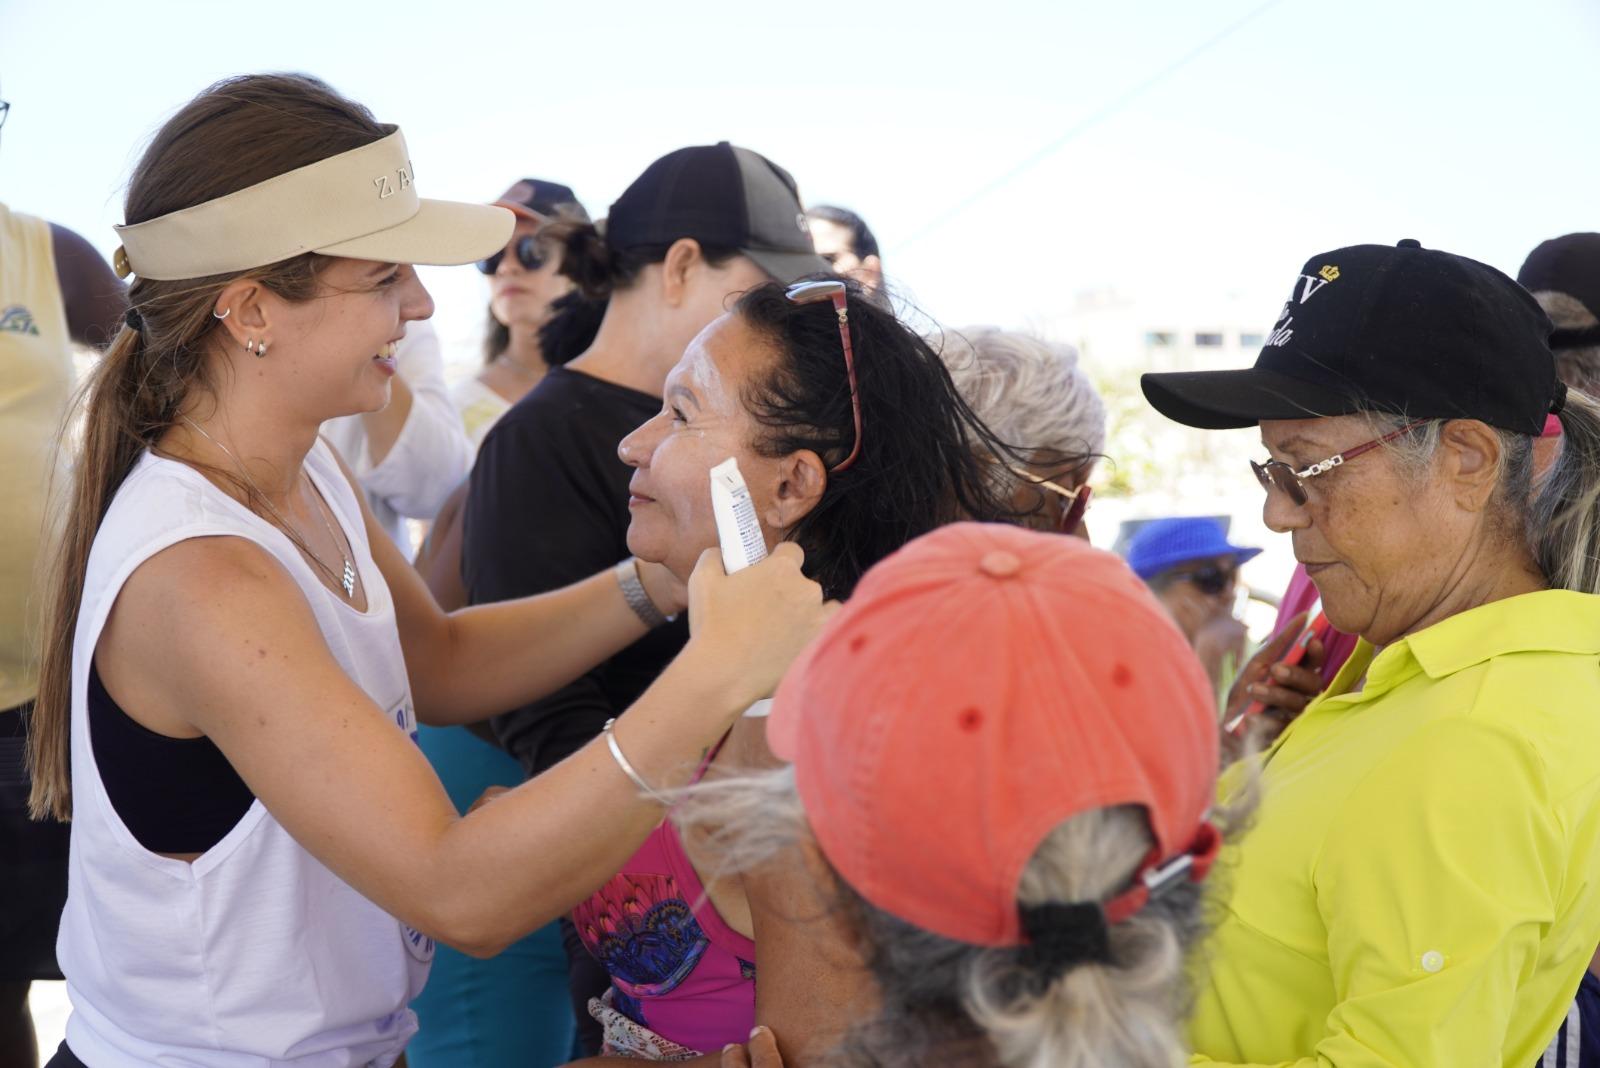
[
  {"x": 719, "y": 195},
  {"x": 1570, "y": 265},
  {"x": 1407, "y": 330}
]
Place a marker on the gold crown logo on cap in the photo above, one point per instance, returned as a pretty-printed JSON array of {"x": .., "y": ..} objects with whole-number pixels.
[{"x": 1329, "y": 273}]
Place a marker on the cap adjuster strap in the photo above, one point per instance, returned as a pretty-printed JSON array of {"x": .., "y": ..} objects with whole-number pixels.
[{"x": 1062, "y": 936}]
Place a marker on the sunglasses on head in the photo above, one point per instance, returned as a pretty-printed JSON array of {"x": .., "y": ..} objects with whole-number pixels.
[
  {"x": 1211, "y": 580},
  {"x": 829, "y": 290},
  {"x": 1074, "y": 502},
  {"x": 528, "y": 253}
]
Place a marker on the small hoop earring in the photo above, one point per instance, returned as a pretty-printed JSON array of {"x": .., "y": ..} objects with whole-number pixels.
[
  {"x": 250, "y": 345},
  {"x": 224, "y": 315},
  {"x": 261, "y": 350}
]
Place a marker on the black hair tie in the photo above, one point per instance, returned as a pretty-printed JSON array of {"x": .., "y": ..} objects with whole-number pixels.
[
  {"x": 134, "y": 320},
  {"x": 1559, "y": 399},
  {"x": 1061, "y": 937}
]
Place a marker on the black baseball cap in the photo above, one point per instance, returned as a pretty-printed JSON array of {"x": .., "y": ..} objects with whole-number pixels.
[
  {"x": 723, "y": 195},
  {"x": 1570, "y": 265},
  {"x": 1400, "y": 329},
  {"x": 537, "y": 199}
]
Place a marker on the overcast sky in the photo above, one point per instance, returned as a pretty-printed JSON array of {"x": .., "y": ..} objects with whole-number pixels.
[{"x": 1467, "y": 124}]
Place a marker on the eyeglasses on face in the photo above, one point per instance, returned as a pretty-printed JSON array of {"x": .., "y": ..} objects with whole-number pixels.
[
  {"x": 528, "y": 253},
  {"x": 1275, "y": 474},
  {"x": 1074, "y": 502},
  {"x": 811, "y": 293}
]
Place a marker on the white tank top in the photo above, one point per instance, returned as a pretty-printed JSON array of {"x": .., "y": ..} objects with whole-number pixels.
[{"x": 256, "y": 954}]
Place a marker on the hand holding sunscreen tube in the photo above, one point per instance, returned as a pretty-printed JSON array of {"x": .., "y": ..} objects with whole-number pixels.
[{"x": 738, "y": 531}]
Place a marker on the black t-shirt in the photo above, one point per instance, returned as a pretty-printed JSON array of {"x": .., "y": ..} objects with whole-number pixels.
[{"x": 549, "y": 506}]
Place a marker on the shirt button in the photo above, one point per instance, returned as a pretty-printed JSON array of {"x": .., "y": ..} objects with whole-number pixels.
[{"x": 1432, "y": 961}]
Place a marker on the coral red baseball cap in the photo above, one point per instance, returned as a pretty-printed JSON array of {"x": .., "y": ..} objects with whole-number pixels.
[{"x": 982, "y": 685}]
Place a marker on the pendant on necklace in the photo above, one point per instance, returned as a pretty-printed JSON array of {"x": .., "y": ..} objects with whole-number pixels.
[{"x": 349, "y": 579}]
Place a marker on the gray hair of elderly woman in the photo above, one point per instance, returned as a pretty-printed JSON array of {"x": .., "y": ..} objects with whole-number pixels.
[
  {"x": 1556, "y": 516},
  {"x": 948, "y": 1002},
  {"x": 1032, "y": 393}
]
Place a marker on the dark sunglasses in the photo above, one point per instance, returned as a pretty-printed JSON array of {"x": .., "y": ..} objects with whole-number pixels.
[
  {"x": 810, "y": 293},
  {"x": 1210, "y": 580},
  {"x": 528, "y": 253}
]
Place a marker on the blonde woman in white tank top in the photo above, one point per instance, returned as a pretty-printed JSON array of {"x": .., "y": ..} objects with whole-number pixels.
[{"x": 224, "y": 581}]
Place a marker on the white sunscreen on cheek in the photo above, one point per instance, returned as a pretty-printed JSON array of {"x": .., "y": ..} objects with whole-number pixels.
[{"x": 738, "y": 532}]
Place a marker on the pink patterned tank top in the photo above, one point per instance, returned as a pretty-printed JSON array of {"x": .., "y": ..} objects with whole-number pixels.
[{"x": 676, "y": 967}]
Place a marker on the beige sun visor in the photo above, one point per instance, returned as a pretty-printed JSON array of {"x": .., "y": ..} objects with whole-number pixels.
[{"x": 362, "y": 204}]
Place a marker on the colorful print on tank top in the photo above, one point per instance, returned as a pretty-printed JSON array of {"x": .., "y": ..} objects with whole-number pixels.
[{"x": 643, "y": 930}]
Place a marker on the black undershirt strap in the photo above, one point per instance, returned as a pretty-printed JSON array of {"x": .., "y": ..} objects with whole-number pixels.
[{"x": 176, "y": 795}]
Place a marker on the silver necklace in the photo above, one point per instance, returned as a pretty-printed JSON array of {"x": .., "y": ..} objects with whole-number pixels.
[
  {"x": 348, "y": 578},
  {"x": 516, "y": 368}
]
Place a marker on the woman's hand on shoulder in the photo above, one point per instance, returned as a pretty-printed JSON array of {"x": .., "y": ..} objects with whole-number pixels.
[{"x": 754, "y": 623}]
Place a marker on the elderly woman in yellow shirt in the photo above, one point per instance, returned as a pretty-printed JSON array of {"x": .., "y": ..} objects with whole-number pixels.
[{"x": 1422, "y": 883}]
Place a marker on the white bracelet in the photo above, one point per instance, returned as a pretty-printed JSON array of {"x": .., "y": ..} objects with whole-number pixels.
[{"x": 627, "y": 769}]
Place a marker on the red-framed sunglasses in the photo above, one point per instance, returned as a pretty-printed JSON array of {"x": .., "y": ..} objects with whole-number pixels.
[
  {"x": 1277, "y": 474},
  {"x": 812, "y": 293},
  {"x": 1074, "y": 503}
]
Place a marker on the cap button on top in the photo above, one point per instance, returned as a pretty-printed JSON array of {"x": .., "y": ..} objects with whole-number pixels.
[
  {"x": 999, "y": 564},
  {"x": 1408, "y": 242}
]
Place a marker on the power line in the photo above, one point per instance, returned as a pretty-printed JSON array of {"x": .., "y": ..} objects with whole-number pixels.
[{"x": 1086, "y": 123}]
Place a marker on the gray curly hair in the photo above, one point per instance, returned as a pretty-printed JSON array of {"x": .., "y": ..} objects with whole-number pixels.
[{"x": 1031, "y": 392}]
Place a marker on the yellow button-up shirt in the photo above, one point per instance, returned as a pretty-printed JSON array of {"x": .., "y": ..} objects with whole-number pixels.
[{"x": 1421, "y": 885}]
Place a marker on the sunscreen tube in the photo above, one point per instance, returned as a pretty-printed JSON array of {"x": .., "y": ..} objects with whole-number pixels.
[{"x": 738, "y": 530}]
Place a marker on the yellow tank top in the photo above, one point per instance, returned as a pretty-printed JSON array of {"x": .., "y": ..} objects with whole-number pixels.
[{"x": 35, "y": 385}]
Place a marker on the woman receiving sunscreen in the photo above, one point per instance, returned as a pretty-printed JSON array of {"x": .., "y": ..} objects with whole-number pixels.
[{"x": 848, "y": 438}]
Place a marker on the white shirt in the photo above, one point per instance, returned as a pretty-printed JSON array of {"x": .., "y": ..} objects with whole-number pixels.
[
  {"x": 429, "y": 458},
  {"x": 256, "y": 954}
]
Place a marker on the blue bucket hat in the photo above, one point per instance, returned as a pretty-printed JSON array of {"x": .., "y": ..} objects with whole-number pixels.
[{"x": 1167, "y": 543}]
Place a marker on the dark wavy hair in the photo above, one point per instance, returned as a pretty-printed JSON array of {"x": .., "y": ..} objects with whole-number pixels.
[
  {"x": 599, "y": 269},
  {"x": 925, "y": 457}
]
